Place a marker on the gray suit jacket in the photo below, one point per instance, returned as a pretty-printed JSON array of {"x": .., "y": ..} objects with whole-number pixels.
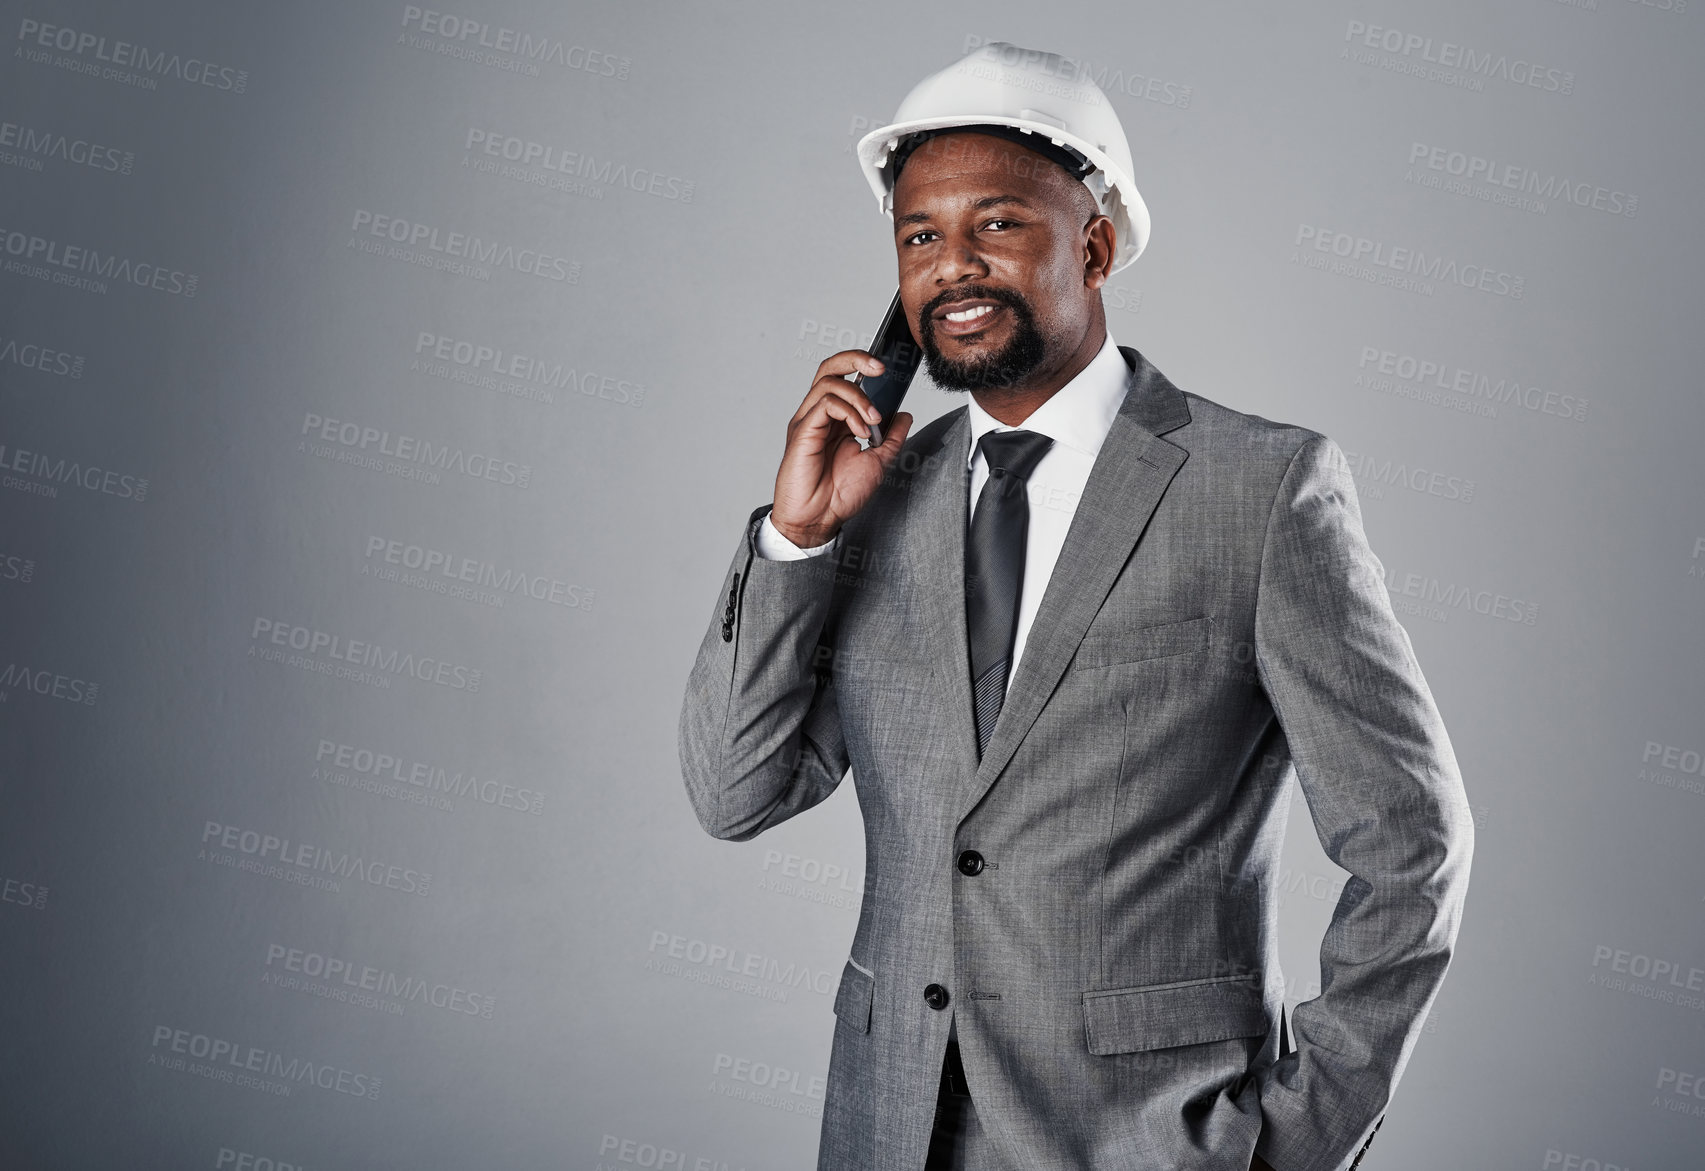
[{"x": 1215, "y": 621}]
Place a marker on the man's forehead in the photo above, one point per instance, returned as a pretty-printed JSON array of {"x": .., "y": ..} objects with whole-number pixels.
[{"x": 952, "y": 190}]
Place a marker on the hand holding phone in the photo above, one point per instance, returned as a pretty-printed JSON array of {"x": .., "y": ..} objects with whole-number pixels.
[{"x": 825, "y": 477}]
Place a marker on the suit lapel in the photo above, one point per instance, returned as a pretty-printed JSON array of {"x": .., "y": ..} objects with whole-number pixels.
[{"x": 1126, "y": 482}]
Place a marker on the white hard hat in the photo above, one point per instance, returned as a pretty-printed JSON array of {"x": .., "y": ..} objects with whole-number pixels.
[{"x": 1000, "y": 84}]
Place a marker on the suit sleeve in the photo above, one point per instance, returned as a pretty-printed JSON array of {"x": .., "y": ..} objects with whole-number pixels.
[
  {"x": 1388, "y": 805},
  {"x": 760, "y": 734}
]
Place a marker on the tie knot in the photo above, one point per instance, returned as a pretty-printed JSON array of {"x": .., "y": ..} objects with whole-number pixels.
[{"x": 1013, "y": 453}]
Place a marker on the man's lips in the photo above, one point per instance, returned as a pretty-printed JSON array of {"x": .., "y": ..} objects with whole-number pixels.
[{"x": 977, "y": 322}]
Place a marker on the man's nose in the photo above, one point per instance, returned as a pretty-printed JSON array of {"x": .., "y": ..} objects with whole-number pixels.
[{"x": 958, "y": 259}]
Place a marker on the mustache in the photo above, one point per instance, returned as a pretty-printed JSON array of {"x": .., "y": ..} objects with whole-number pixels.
[{"x": 1007, "y": 297}]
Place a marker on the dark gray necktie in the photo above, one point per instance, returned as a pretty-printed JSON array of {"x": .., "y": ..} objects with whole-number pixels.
[{"x": 994, "y": 567}]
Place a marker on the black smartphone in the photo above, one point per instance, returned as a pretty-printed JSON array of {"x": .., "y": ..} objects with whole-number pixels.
[{"x": 900, "y": 357}]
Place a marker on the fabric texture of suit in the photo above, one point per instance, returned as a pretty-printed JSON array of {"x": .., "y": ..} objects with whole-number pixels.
[{"x": 1215, "y": 622}]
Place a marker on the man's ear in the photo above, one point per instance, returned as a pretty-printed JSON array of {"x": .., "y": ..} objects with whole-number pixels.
[{"x": 1100, "y": 241}]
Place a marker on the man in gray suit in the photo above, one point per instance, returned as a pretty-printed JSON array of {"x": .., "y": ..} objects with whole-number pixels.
[{"x": 1073, "y": 639}]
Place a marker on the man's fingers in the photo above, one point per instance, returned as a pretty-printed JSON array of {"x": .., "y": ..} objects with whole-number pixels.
[
  {"x": 833, "y": 405},
  {"x": 829, "y": 380},
  {"x": 842, "y": 389}
]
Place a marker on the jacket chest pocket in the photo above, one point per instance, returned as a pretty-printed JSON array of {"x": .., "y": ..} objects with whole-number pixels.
[
  {"x": 1159, "y": 1016},
  {"x": 1110, "y": 641}
]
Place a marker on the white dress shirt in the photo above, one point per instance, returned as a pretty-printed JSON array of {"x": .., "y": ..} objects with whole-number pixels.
[{"x": 1077, "y": 418}]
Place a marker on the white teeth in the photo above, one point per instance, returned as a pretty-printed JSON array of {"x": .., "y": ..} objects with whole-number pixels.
[{"x": 971, "y": 314}]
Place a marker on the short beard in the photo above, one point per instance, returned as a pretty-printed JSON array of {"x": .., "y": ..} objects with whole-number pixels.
[{"x": 1005, "y": 367}]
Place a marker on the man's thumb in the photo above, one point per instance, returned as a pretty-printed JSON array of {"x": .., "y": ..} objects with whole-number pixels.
[{"x": 898, "y": 427}]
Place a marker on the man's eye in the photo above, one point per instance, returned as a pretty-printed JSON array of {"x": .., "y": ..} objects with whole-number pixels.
[
  {"x": 913, "y": 238},
  {"x": 992, "y": 223}
]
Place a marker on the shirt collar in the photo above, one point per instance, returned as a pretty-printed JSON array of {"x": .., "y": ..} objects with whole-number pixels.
[{"x": 1078, "y": 415}]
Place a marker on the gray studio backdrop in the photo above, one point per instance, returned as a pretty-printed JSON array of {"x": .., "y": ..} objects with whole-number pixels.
[{"x": 382, "y": 393}]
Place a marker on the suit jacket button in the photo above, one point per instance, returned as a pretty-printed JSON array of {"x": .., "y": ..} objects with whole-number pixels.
[
  {"x": 970, "y": 863},
  {"x": 936, "y": 997}
]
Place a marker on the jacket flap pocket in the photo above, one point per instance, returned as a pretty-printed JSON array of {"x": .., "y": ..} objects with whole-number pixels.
[
  {"x": 1116, "y": 644},
  {"x": 1158, "y": 1016},
  {"x": 852, "y": 1001}
]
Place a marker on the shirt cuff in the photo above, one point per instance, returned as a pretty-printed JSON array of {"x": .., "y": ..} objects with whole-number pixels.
[{"x": 772, "y": 546}]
